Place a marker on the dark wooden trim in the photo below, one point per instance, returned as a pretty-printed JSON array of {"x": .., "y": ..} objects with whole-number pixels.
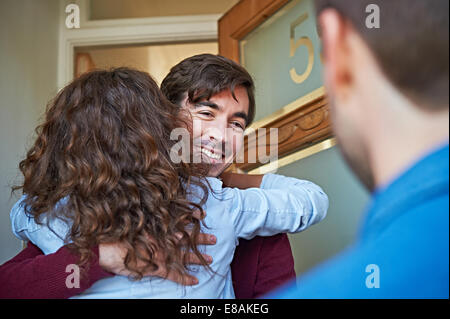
[
  {"x": 297, "y": 130},
  {"x": 243, "y": 18}
]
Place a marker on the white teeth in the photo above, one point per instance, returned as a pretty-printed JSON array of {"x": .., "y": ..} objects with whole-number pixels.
[{"x": 210, "y": 154}]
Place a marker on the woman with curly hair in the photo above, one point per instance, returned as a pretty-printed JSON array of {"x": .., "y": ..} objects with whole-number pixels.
[{"x": 100, "y": 171}]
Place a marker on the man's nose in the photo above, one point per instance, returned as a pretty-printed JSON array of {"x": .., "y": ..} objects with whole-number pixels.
[{"x": 217, "y": 132}]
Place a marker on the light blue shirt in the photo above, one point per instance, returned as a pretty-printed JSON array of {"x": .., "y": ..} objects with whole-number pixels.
[{"x": 280, "y": 205}]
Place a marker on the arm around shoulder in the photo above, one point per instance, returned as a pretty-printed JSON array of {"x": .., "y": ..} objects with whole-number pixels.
[
  {"x": 281, "y": 205},
  {"x": 31, "y": 274}
]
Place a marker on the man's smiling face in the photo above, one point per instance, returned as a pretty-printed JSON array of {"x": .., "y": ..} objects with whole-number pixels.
[{"x": 218, "y": 127}]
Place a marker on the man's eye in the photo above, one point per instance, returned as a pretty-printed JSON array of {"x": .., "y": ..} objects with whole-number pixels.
[
  {"x": 206, "y": 113},
  {"x": 238, "y": 125}
]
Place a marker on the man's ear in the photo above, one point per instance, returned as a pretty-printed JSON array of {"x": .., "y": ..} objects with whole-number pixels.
[{"x": 336, "y": 56}]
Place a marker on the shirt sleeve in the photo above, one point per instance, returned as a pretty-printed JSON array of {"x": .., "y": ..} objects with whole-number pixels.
[
  {"x": 32, "y": 275},
  {"x": 275, "y": 265},
  {"x": 49, "y": 235},
  {"x": 261, "y": 265},
  {"x": 280, "y": 205}
]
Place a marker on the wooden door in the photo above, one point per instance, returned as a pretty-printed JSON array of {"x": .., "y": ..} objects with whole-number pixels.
[{"x": 283, "y": 38}]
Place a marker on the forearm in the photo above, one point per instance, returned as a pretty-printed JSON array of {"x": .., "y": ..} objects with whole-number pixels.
[
  {"x": 33, "y": 275},
  {"x": 241, "y": 181},
  {"x": 280, "y": 205},
  {"x": 312, "y": 196},
  {"x": 275, "y": 265}
]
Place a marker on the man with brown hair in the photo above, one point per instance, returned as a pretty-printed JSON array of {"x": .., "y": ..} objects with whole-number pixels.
[
  {"x": 389, "y": 100},
  {"x": 219, "y": 94}
]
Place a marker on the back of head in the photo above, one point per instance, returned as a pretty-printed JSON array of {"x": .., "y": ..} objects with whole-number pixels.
[
  {"x": 105, "y": 147},
  {"x": 411, "y": 45}
]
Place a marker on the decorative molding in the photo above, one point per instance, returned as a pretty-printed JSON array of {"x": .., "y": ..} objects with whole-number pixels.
[
  {"x": 297, "y": 156},
  {"x": 300, "y": 128},
  {"x": 127, "y": 32}
]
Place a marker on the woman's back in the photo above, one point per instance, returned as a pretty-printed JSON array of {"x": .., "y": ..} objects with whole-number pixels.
[{"x": 282, "y": 204}]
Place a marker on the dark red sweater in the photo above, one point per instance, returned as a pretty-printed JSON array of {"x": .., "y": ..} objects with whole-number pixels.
[{"x": 259, "y": 266}]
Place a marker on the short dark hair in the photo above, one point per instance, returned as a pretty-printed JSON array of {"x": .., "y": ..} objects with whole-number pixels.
[
  {"x": 202, "y": 76},
  {"x": 411, "y": 45}
]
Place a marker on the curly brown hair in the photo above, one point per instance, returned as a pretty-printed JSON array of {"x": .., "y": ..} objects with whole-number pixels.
[{"x": 104, "y": 148}]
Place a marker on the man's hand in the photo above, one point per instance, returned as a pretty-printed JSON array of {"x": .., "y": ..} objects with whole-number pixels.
[{"x": 111, "y": 259}]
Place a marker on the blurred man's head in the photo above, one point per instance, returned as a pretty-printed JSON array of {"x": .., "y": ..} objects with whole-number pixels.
[
  {"x": 387, "y": 85},
  {"x": 219, "y": 94}
]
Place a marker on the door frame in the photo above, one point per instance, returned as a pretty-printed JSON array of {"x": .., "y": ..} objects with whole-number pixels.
[
  {"x": 304, "y": 126},
  {"x": 135, "y": 31},
  {"x": 242, "y": 19}
]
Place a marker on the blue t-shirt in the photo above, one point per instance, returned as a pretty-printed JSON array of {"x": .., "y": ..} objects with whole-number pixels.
[{"x": 403, "y": 247}]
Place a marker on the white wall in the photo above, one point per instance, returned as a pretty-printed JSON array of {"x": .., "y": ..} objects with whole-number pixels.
[{"x": 28, "y": 80}]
